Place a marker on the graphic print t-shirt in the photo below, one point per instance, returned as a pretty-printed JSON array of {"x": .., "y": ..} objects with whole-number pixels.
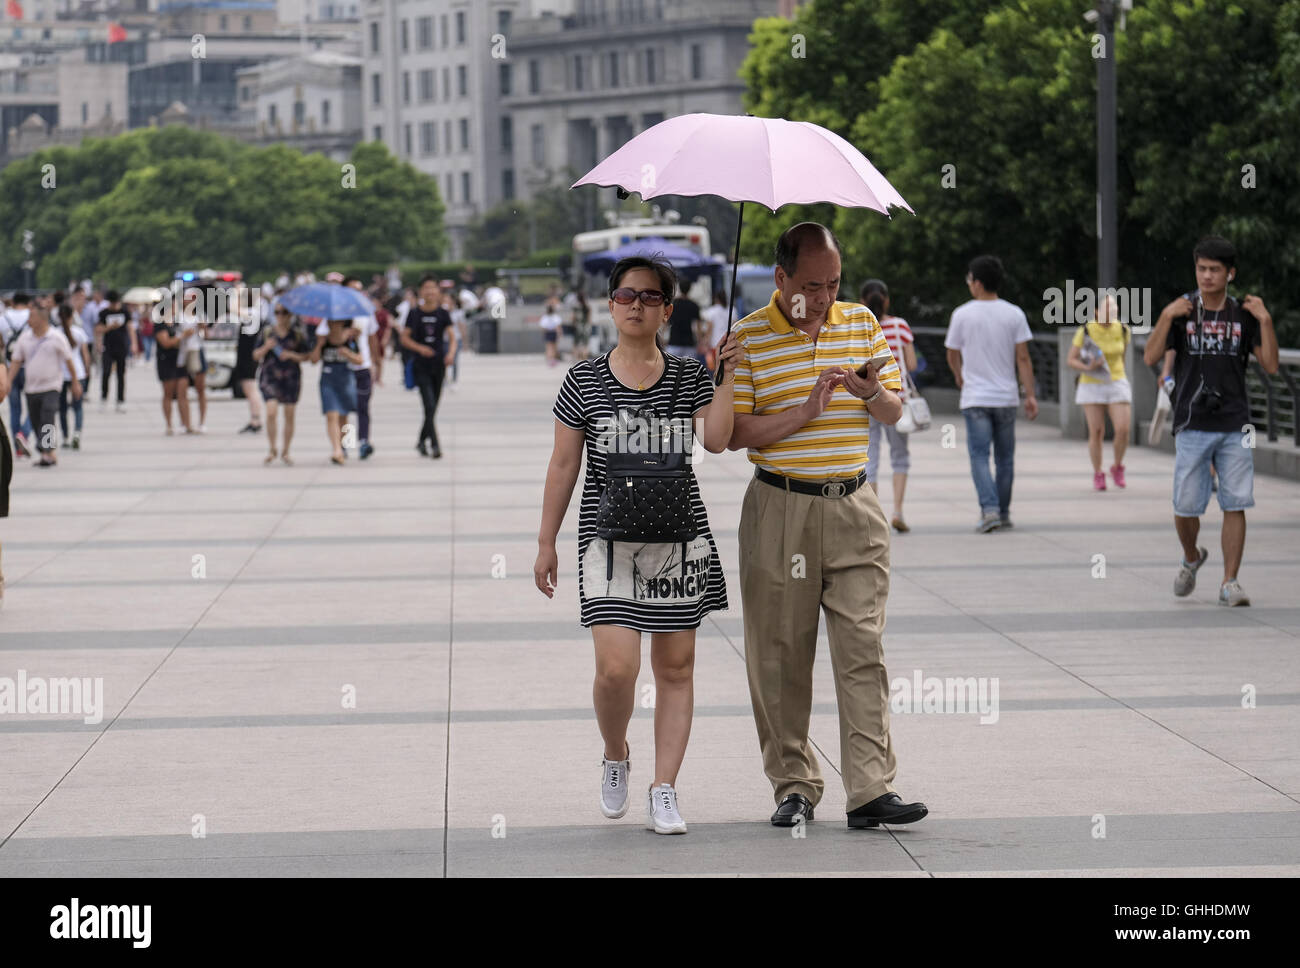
[
  {"x": 115, "y": 333},
  {"x": 1212, "y": 354},
  {"x": 427, "y": 327}
]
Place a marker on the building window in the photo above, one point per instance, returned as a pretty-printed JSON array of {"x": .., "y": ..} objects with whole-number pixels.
[
  {"x": 537, "y": 135},
  {"x": 406, "y": 138},
  {"x": 650, "y": 65},
  {"x": 375, "y": 82},
  {"x": 697, "y": 62},
  {"x": 579, "y": 81},
  {"x": 460, "y": 31},
  {"x": 406, "y": 36},
  {"x": 465, "y": 194},
  {"x": 507, "y": 184},
  {"x": 534, "y": 77},
  {"x": 427, "y": 129},
  {"x": 324, "y": 114},
  {"x": 424, "y": 32},
  {"x": 613, "y": 69},
  {"x": 225, "y": 22},
  {"x": 270, "y": 115},
  {"x": 248, "y": 23},
  {"x": 426, "y": 85},
  {"x": 464, "y": 134},
  {"x": 85, "y": 114},
  {"x": 374, "y": 37},
  {"x": 462, "y": 80},
  {"x": 244, "y": 93},
  {"x": 503, "y": 22},
  {"x": 406, "y": 87},
  {"x": 446, "y": 180},
  {"x": 507, "y": 134},
  {"x": 504, "y": 78},
  {"x": 446, "y": 83},
  {"x": 446, "y": 137},
  {"x": 379, "y": 132},
  {"x": 443, "y": 24},
  {"x": 300, "y": 113}
]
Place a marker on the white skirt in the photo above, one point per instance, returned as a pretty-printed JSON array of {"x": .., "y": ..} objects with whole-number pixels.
[{"x": 1116, "y": 391}]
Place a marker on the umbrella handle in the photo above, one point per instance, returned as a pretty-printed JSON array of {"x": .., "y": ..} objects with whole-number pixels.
[{"x": 731, "y": 299}]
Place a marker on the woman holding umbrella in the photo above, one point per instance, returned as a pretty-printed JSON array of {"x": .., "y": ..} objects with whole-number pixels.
[
  {"x": 626, "y": 588},
  {"x": 338, "y": 386}
]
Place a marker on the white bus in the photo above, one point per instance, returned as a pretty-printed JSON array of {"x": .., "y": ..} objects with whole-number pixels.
[{"x": 694, "y": 237}]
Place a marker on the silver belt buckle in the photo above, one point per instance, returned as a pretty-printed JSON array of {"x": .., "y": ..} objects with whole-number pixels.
[{"x": 833, "y": 489}]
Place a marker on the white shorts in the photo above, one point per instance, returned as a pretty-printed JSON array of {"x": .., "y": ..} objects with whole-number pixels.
[{"x": 1116, "y": 391}]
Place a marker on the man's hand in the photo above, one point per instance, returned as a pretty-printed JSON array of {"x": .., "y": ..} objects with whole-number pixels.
[
  {"x": 448, "y": 360},
  {"x": 1031, "y": 407},
  {"x": 1178, "y": 308},
  {"x": 822, "y": 391},
  {"x": 1255, "y": 306},
  {"x": 76, "y": 389},
  {"x": 426, "y": 352},
  {"x": 861, "y": 386}
]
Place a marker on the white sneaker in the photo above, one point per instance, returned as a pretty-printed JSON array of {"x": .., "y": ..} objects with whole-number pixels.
[
  {"x": 661, "y": 814},
  {"x": 203, "y": 428},
  {"x": 121, "y": 408},
  {"x": 1231, "y": 594},
  {"x": 613, "y": 786}
]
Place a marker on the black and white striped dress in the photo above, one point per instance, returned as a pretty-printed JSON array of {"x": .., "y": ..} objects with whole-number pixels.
[{"x": 649, "y": 591}]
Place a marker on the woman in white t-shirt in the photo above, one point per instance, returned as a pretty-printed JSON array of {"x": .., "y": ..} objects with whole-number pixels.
[
  {"x": 80, "y": 343},
  {"x": 875, "y": 296},
  {"x": 191, "y": 359},
  {"x": 551, "y": 322}
]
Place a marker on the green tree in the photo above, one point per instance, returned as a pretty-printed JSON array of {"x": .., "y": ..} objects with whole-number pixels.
[{"x": 1005, "y": 94}]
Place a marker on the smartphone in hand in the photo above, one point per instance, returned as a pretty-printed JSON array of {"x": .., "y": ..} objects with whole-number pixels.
[{"x": 879, "y": 362}]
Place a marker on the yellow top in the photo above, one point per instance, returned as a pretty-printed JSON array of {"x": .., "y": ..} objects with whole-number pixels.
[
  {"x": 1111, "y": 340},
  {"x": 782, "y": 364}
]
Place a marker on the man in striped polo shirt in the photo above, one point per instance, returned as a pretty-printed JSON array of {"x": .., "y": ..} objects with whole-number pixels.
[{"x": 812, "y": 536}]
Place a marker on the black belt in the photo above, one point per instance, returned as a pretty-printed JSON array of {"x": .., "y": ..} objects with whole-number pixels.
[{"x": 834, "y": 488}]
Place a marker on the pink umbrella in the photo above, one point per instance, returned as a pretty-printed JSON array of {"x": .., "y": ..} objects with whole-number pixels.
[{"x": 745, "y": 159}]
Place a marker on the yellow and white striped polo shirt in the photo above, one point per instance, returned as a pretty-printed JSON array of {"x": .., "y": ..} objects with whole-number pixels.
[{"x": 780, "y": 367}]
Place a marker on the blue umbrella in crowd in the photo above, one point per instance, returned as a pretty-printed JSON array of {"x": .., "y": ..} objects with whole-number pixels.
[{"x": 325, "y": 300}]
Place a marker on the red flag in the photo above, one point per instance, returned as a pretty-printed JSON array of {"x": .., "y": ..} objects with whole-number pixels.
[
  {"x": 13, "y": 10},
  {"x": 116, "y": 32}
]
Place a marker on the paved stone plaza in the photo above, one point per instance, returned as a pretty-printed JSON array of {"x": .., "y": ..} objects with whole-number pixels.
[{"x": 472, "y": 747}]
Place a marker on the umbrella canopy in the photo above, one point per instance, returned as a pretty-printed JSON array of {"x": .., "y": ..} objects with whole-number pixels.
[
  {"x": 681, "y": 258},
  {"x": 744, "y": 159},
  {"x": 325, "y": 300},
  {"x": 141, "y": 295}
]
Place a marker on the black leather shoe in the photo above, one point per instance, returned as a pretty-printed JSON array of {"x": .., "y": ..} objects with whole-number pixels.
[
  {"x": 889, "y": 808},
  {"x": 794, "y": 809}
]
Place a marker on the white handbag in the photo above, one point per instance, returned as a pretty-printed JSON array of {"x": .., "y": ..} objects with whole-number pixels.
[{"x": 916, "y": 412}]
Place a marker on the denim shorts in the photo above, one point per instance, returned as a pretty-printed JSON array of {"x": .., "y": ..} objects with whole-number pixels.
[
  {"x": 338, "y": 389},
  {"x": 1195, "y": 451}
]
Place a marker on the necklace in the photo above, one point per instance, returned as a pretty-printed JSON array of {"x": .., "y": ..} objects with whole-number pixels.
[{"x": 640, "y": 384}]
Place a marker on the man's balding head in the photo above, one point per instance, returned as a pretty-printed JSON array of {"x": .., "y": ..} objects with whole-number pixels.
[{"x": 807, "y": 272}]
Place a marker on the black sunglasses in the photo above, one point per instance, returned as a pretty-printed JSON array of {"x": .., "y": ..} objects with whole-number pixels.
[{"x": 626, "y": 296}]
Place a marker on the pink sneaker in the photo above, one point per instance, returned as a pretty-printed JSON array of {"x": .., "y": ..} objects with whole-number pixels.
[
  {"x": 1117, "y": 472},
  {"x": 1099, "y": 481}
]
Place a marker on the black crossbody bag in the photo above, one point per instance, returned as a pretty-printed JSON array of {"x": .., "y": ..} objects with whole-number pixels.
[{"x": 647, "y": 497}]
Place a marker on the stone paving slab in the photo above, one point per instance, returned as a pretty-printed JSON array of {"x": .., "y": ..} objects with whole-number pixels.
[{"x": 223, "y": 694}]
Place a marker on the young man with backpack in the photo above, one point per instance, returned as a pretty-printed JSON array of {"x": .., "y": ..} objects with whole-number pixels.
[
  {"x": 1212, "y": 336},
  {"x": 13, "y": 322}
]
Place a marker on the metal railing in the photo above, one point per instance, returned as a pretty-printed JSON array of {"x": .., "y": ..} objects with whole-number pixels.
[{"x": 1042, "y": 353}]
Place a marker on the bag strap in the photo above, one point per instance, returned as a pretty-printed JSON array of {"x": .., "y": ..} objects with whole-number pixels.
[{"x": 609, "y": 397}]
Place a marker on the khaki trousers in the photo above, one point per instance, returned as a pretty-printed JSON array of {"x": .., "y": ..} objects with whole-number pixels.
[{"x": 801, "y": 554}]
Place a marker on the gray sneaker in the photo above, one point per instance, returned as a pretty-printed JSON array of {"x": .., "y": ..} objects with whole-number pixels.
[
  {"x": 990, "y": 522},
  {"x": 613, "y": 786},
  {"x": 661, "y": 814},
  {"x": 1231, "y": 594},
  {"x": 1186, "y": 580}
]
